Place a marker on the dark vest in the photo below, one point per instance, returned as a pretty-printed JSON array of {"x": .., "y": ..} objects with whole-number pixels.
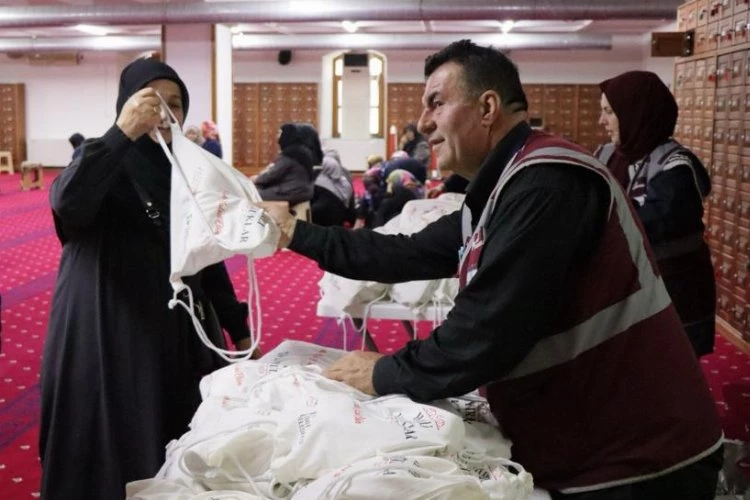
[
  {"x": 684, "y": 259},
  {"x": 616, "y": 395}
]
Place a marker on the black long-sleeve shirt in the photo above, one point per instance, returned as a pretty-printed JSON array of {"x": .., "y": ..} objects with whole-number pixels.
[{"x": 547, "y": 219}]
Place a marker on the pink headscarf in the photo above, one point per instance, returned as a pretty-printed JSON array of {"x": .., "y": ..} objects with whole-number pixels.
[{"x": 210, "y": 130}]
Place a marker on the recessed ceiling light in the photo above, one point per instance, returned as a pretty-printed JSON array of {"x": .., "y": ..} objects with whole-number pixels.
[
  {"x": 92, "y": 29},
  {"x": 506, "y": 26},
  {"x": 350, "y": 26}
]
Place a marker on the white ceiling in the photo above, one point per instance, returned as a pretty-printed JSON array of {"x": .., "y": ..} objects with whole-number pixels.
[{"x": 612, "y": 27}]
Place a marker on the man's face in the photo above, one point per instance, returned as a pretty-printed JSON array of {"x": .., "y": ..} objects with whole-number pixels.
[
  {"x": 451, "y": 122},
  {"x": 608, "y": 118},
  {"x": 171, "y": 94}
]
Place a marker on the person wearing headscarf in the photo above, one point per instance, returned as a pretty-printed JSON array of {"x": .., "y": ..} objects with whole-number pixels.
[
  {"x": 415, "y": 145},
  {"x": 120, "y": 369},
  {"x": 76, "y": 140},
  {"x": 374, "y": 160},
  {"x": 369, "y": 202},
  {"x": 667, "y": 184},
  {"x": 211, "y": 141},
  {"x": 193, "y": 132},
  {"x": 290, "y": 177},
  {"x": 333, "y": 198},
  {"x": 400, "y": 188},
  {"x": 411, "y": 165}
]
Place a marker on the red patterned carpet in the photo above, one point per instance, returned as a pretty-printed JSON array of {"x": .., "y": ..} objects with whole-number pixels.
[{"x": 29, "y": 253}]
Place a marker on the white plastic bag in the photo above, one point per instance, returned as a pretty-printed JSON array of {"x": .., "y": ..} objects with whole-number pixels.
[{"x": 213, "y": 216}]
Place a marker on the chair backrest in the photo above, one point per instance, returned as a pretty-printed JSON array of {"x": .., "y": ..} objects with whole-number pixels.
[{"x": 6, "y": 162}]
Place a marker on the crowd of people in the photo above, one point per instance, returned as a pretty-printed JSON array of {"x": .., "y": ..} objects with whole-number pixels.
[{"x": 586, "y": 288}]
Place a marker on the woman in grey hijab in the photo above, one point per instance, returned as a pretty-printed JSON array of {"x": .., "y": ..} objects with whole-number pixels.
[{"x": 333, "y": 198}]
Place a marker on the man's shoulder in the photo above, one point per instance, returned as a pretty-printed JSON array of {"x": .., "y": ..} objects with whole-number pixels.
[{"x": 542, "y": 148}]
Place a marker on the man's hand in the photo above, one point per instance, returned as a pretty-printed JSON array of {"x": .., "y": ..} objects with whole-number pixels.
[
  {"x": 359, "y": 224},
  {"x": 355, "y": 369},
  {"x": 279, "y": 212},
  {"x": 140, "y": 113}
]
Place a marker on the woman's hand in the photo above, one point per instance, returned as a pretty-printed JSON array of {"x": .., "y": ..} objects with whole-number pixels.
[{"x": 140, "y": 114}]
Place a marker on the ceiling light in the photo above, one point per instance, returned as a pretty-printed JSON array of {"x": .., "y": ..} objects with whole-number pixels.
[
  {"x": 92, "y": 29},
  {"x": 506, "y": 26},
  {"x": 350, "y": 26}
]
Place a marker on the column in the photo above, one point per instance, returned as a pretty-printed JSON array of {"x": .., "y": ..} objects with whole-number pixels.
[{"x": 202, "y": 56}]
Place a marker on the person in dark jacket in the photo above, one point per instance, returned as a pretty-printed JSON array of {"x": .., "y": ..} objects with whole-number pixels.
[
  {"x": 211, "y": 141},
  {"x": 561, "y": 320},
  {"x": 120, "y": 370},
  {"x": 667, "y": 184},
  {"x": 454, "y": 183},
  {"x": 290, "y": 177},
  {"x": 76, "y": 140},
  {"x": 369, "y": 203}
]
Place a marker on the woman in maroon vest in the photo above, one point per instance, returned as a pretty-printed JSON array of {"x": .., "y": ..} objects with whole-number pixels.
[{"x": 667, "y": 184}]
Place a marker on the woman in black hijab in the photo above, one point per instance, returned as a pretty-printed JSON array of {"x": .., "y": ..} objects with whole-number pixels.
[
  {"x": 667, "y": 184},
  {"x": 120, "y": 370},
  {"x": 290, "y": 177},
  {"x": 414, "y": 144}
]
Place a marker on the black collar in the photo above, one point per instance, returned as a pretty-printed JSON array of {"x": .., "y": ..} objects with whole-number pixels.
[{"x": 480, "y": 188}]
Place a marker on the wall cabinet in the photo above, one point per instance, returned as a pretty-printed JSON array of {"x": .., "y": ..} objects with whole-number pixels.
[
  {"x": 259, "y": 111},
  {"x": 712, "y": 89},
  {"x": 13, "y": 121}
]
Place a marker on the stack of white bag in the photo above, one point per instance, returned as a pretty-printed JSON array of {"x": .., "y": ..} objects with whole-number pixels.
[
  {"x": 276, "y": 428},
  {"x": 350, "y": 296}
]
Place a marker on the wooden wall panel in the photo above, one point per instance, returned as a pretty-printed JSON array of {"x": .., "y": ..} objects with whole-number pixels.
[
  {"x": 569, "y": 110},
  {"x": 259, "y": 111},
  {"x": 13, "y": 121}
]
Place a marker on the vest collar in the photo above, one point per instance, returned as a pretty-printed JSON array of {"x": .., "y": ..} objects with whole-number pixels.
[{"x": 480, "y": 188}]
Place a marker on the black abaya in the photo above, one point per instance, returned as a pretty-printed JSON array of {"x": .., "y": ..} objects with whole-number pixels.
[{"x": 120, "y": 370}]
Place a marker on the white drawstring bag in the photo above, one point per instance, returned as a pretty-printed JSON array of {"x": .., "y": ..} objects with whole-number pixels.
[
  {"x": 167, "y": 489},
  {"x": 402, "y": 477},
  {"x": 213, "y": 216}
]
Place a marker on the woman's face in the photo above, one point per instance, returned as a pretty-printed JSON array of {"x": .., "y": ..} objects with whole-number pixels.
[
  {"x": 192, "y": 134},
  {"x": 609, "y": 120},
  {"x": 172, "y": 95}
]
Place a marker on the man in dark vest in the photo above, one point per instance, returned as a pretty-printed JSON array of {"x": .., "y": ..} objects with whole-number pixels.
[{"x": 562, "y": 321}]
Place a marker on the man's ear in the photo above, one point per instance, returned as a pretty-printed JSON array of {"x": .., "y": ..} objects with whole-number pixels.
[{"x": 491, "y": 107}]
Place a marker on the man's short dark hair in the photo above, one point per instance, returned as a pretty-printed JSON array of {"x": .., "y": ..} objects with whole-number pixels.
[{"x": 485, "y": 68}]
